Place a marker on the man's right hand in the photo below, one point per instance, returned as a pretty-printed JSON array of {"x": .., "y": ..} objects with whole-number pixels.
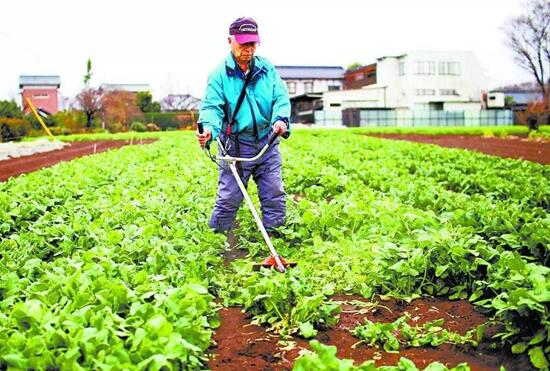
[{"x": 204, "y": 137}]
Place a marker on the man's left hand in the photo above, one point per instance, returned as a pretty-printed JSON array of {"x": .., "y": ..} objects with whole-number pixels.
[{"x": 279, "y": 127}]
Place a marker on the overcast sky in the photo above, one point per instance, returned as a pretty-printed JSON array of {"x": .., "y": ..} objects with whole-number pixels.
[{"x": 172, "y": 45}]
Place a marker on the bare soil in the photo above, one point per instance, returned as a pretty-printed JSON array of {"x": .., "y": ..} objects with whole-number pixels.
[
  {"x": 240, "y": 345},
  {"x": 26, "y": 164},
  {"x": 234, "y": 252},
  {"x": 510, "y": 147}
]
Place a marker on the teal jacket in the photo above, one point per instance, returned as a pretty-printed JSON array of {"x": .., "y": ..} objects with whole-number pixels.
[{"x": 266, "y": 99}]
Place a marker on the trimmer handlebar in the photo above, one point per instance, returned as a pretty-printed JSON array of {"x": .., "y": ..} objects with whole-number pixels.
[
  {"x": 275, "y": 135},
  {"x": 200, "y": 127},
  {"x": 226, "y": 157},
  {"x": 270, "y": 141}
]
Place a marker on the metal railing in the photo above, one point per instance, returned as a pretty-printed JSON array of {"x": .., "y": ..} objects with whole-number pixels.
[{"x": 393, "y": 118}]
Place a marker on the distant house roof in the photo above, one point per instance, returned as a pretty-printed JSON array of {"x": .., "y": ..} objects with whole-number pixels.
[
  {"x": 311, "y": 72},
  {"x": 179, "y": 102},
  {"x": 35, "y": 80},
  {"x": 391, "y": 56},
  {"x": 134, "y": 88},
  {"x": 307, "y": 97}
]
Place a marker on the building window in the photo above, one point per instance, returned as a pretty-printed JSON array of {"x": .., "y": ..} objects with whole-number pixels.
[
  {"x": 291, "y": 86},
  {"x": 308, "y": 87},
  {"x": 333, "y": 87},
  {"x": 449, "y": 68},
  {"x": 424, "y": 92},
  {"x": 41, "y": 96},
  {"x": 448, "y": 92},
  {"x": 401, "y": 68},
  {"x": 359, "y": 76},
  {"x": 335, "y": 104},
  {"x": 425, "y": 68}
]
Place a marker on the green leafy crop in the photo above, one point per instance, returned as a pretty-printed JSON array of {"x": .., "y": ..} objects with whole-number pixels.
[
  {"x": 391, "y": 336},
  {"x": 107, "y": 261}
]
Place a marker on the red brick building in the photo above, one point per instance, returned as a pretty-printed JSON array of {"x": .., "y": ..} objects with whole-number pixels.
[
  {"x": 42, "y": 91},
  {"x": 360, "y": 76}
]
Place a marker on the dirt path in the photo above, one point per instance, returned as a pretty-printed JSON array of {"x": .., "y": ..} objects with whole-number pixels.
[
  {"x": 26, "y": 164},
  {"x": 512, "y": 147},
  {"x": 242, "y": 346}
]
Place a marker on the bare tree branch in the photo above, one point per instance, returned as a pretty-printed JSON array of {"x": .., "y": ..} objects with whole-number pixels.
[
  {"x": 528, "y": 36},
  {"x": 90, "y": 102}
]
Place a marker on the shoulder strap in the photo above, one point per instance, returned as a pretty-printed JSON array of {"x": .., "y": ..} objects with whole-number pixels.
[{"x": 241, "y": 96}]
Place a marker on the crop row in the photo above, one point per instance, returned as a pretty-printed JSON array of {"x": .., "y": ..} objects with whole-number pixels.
[{"x": 107, "y": 261}]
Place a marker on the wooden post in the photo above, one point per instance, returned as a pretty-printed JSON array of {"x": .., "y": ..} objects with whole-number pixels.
[{"x": 39, "y": 119}]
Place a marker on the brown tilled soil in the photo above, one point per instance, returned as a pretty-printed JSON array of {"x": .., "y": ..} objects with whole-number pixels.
[
  {"x": 511, "y": 147},
  {"x": 240, "y": 345},
  {"x": 26, "y": 164}
]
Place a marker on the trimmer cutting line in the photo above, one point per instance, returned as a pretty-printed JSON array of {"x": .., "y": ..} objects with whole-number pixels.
[{"x": 273, "y": 261}]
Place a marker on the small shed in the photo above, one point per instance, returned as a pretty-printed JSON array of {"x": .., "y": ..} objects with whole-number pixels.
[{"x": 42, "y": 91}]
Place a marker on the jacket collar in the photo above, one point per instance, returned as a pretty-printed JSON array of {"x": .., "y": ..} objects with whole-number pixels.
[{"x": 232, "y": 70}]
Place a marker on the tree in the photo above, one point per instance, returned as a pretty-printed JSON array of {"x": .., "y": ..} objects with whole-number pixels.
[
  {"x": 529, "y": 38},
  {"x": 509, "y": 101},
  {"x": 10, "y": 109},
  {"x": 120, "y": 107},
  {"x": 179, "y": 102},
  {"x": 145, "y": 102},
  {"x": 90, "y": 101},
  {"x": 88, "y": 75},
  {"x": 354, "y": 65}
]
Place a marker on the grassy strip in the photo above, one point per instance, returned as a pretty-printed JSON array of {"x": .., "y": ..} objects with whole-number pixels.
[{"x": 478, "y": 130}]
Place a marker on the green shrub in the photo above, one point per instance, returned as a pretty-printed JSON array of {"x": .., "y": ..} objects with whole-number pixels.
[
  {"x": 174, "y": 120},
  {"x": 56, "y": 130},
  {"x": 13, "y": 129},
  {"x": 73, "y": 121},
  {"x": 10, "y": 109},
  {"x": 117, "y": 127},
  {"x": 138, "y": 126}
]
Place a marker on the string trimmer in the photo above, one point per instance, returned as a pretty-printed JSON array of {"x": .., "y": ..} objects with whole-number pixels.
[{"x": 275, "y": 260}]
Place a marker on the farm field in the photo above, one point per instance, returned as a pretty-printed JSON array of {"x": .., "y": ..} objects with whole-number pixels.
[
  {"x": 413, "y": 253},
  {"x": 25, "y": 164},
  {"x": 536, "y": 150}
]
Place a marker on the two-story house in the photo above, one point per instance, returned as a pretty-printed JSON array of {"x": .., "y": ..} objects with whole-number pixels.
[
  {"x": 418, "y": 80},
  {"x": 415, "y": 81},
  {"x": 306, "y": 84}
]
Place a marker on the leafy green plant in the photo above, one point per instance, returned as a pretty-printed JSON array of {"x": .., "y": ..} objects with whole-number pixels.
[
  {"x": 108, "y": 259},
  {"x": 391, "y": 336},
  {"x": 323, "y": 358}
]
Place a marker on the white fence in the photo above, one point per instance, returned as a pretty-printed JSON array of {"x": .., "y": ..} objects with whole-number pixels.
[{"x": 392, "y": 118}]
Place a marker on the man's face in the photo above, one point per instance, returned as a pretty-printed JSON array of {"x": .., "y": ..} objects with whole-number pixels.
[{"x": 243, "y": 52}]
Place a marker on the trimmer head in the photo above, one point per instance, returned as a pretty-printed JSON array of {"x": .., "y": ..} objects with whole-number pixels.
[{"x": 270, "y": 262}]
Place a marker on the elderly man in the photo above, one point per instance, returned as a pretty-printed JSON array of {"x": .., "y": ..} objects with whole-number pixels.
[{"x": 245, "y": 101}]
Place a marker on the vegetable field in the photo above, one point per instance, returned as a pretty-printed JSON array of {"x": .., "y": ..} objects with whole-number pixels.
[{"x": 107, "y": 261}]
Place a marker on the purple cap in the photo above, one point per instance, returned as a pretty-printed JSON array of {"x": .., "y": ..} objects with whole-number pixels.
[{"x": 245, "y": 30}]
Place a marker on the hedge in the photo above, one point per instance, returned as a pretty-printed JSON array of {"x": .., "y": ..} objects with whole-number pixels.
[
  {"x": 171, "y": 120},
  {"x": 13, "y": 129}
]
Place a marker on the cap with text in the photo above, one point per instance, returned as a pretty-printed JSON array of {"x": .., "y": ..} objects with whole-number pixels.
[{"x": 245, "y": 30}]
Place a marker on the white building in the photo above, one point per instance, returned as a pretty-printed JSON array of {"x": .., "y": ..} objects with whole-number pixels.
[
  {"x": 417, "y": 81},
  {"x": 302, "y": 80}
]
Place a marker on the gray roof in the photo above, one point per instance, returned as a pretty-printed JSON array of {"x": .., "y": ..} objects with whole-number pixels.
[
  {"x": 126, "y": 87},
  {"x": 311, "y": 72},
  {"x": 35, "y": 80}
]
